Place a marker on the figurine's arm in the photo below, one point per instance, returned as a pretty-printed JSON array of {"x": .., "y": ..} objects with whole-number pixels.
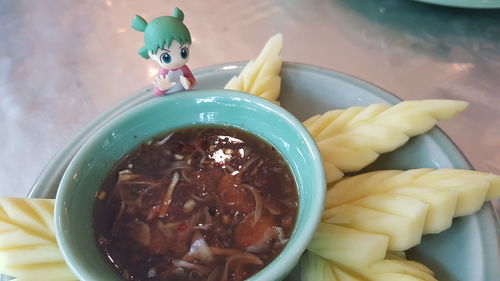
[
  {"x": 188, "y": 81},
  {"x": 162, "y": 83}
]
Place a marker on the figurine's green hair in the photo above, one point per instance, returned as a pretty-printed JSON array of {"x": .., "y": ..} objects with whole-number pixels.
[{"x": 161, "y": 31}]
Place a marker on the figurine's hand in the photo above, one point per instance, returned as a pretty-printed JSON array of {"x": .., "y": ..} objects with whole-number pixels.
[
  {"x": 163, "y": 83},
  {"x": 185, "y": 82}
]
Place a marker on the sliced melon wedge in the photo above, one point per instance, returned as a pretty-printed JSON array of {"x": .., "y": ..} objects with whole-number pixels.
[
  {"x": 353, "y": 138},
  {"x": 261, "y": 77},
  {"x": 28, "y": 247},
  {"x": 347, "y": 245}
]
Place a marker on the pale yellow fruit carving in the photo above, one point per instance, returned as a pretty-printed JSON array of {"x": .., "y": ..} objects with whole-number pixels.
[
  {"x": 401, "y": 218},
  {"x": 315, "y": 267},
  {"x": 334, "y": 122},
  {"x": 344, "y": 274},
  {"x": 472, "y": 187},
  {"x": 261, "y": 77},
  {"x": 399, "y": 269},
  {"x": 386, "y": 267},
  {"x": 447, "y": 193},
  {"x": 28, "y": 248},
  {"x": 346, "y": 245},
  {"x": 441, "y": 204},
  {"x": 351, "y": 139}
]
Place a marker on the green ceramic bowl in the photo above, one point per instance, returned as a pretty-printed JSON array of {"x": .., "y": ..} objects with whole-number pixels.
[{"x": 81, "y": 181}]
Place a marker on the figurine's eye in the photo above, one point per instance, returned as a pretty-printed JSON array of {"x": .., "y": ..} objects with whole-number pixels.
[
  {"x": 184, "y": 52},
  {"x": 165, "y": 58}
]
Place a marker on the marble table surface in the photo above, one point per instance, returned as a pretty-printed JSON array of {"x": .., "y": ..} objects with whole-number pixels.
[{"x": 64, "y": 62}]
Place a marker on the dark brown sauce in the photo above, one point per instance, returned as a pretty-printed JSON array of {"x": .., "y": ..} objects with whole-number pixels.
[{"x": 182, "y": 207}]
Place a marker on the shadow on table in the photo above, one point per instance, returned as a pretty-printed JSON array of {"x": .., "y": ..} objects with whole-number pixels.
[{"x": 435, "y": 30}]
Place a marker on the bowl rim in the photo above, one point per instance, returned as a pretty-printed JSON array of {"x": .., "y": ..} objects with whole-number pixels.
[{"x": 280, "y": 266}]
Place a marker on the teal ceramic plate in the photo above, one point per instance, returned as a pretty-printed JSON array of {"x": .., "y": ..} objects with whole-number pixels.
[
  {"x": 469, "y": 250},
  {"x": 476, "y": 4}
]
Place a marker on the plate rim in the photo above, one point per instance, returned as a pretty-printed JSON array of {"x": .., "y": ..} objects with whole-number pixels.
[{"x": 481, "y": 4}]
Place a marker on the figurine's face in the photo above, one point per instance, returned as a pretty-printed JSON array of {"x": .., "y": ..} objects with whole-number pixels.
[{"x": 173, "y": 57}]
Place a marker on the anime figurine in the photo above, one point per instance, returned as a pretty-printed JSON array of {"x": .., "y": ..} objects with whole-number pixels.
[{"x": 167, "y": 42}]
